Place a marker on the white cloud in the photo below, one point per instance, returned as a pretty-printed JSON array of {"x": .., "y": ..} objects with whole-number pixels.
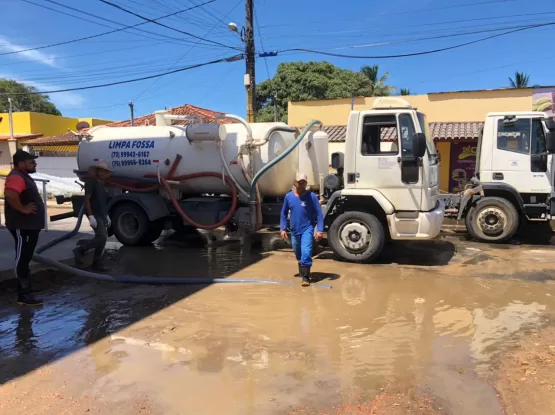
[
  {"x": 34, "y": 55},
  {"x": 63, "y": 100}
]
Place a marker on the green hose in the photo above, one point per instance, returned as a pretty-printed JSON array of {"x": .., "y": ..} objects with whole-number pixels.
[{"x": 252, "y": 190}]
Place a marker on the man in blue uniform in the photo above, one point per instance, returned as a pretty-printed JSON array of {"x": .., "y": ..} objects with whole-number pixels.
[{"x": 306, "y": 213}]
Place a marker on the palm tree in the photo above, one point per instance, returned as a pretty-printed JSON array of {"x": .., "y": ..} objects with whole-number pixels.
[
  {"x": 378, "y": 87},
  {"x": 405, "y": 91},
  {"x": 520, "y": 81}
]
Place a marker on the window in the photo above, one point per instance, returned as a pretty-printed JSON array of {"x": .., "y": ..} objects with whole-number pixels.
[
  {"x": 538, "y": 144},
  {"x": 407, "y": 135},
  {"x": 433, "y": 156},
  {"x": 514, "y": 137},
  {"x": 379, "y": 135}
]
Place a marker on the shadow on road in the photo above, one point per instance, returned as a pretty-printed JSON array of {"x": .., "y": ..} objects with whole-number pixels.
[{"x": 78, "y": 312}]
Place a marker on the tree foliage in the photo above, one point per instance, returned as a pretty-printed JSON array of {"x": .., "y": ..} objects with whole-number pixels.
[
  {"x": 303, "y": 81},
  {"x": 520, "y": 80},
  {"x": 377, "y": 84},
  {"x": 405, "y": 91},
  {"x": 31, "y": 102}
]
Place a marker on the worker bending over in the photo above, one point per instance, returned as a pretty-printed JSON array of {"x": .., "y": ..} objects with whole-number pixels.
[
  {"x": 306, "y": 213},
  {"x": 97, "y": 212}
]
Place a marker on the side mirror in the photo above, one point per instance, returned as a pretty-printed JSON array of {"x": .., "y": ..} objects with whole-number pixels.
[
  {"x": 550, "y": 142},
  {"x": 419, "y": 145},
  {"x": 337, "y": 160},
  {"x": 550, "y": 123}
]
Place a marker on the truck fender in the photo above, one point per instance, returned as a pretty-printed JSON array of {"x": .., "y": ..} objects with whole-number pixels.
[
  {"x": 382, "y": 201},
  {"x": 503, "y": 190},
  {"x": 154, "y": 206}
]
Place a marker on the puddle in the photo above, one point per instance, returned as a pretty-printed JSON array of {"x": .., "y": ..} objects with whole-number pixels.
[{"x": 273, "y": 349}]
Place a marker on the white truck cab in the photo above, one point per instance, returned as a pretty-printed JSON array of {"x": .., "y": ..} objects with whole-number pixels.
[
  {"x": 387, "y": 182},
  {"x": 513, "y": 181}
]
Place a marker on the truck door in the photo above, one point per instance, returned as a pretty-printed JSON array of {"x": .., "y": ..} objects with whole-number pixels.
[
  {"x": 520, "y": 158},
  {"x": 386, "y": 142}
]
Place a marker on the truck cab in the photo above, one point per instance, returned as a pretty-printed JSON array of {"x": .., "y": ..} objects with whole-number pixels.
[
  {"x": 387, "y": 181},
  {"x": 513, "y": 181}
]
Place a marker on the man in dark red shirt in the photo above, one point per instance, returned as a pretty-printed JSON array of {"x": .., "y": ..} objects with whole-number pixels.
[{"x": 24, "y": 212}]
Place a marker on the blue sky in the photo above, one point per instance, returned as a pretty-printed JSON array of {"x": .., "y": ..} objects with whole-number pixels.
[{"x": 357, "y": 27}]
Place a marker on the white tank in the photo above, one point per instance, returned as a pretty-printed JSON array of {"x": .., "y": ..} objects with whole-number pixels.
[
  {"x": 136, "y": 151},
  {"x": 314, "y": 158}
]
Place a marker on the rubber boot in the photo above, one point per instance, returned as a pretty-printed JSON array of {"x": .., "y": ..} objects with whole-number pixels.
[
  {"x": 305, "y": 272},
  {"x": 300, "y": 270},
  {"x": 79, "y": 256}
]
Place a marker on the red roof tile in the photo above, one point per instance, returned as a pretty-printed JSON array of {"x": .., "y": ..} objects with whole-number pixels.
[
  {"x": 438, "y": 131},
  {"x": 20, "y": 136},
  {"x": 207, "y": 116}
]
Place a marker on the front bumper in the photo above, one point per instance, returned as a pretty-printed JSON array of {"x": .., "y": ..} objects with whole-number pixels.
[{"x": 423, "y": 225}]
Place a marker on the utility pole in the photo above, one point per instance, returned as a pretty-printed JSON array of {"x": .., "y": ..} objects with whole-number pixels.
[
  {"x": 276, "y": 110},
  {"x": 250, "y": 82},
  {"x": 10, "y": 116},
  {"x": 132, "y": 114}
]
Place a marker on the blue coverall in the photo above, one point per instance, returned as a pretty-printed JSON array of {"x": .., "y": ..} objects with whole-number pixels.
[{"x": 305, "y": 214}]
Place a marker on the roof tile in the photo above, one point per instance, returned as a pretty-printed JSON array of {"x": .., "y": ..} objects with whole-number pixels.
[{"x": 207, "y": 116}]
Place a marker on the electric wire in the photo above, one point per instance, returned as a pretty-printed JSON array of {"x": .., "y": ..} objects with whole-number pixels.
[
  {"x": 104, "y": 33},
  {"x": 427, "y": 52},
  {"x": 164, "y": 25},
  {"x": 128, "y": 81}
]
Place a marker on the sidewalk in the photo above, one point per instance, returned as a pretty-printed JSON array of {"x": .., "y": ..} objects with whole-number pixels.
[{"x": 60, "y": 252}]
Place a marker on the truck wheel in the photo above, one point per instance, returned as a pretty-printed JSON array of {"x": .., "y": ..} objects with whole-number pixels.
[
  {"x": 132, "y": 226},
  {"x": 356, "y": 236},
  {"x": 492, "y": 219}
]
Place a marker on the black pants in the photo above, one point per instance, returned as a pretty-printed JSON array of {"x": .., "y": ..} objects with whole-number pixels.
[
  {"x": 25, "y": 244},
  {"x": 99, "y": 241}
]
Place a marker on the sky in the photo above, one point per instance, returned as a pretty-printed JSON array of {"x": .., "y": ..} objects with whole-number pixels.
[{"x": 352, "y": 27}]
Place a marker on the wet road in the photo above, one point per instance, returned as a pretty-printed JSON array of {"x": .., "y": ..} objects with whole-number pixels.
[{"x": 435, "y": 320}]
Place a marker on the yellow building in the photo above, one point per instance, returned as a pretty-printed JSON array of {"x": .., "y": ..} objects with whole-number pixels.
[
  {"x": 28, "y": 125},
  {"x": 455, "y": 118}
]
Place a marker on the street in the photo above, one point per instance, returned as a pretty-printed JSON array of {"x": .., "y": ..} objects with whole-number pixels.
[{"x": 423, "y": 331}]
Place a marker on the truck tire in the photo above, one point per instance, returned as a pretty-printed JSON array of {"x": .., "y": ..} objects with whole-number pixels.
[
  {"x": 356, "y": 236},
  {"x": 492, "y": 219},
  {"x": 132, "y": 226}
]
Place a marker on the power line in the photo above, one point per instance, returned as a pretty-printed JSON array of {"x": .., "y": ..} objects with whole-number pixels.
[
  {"x": 378, "y": 15},
  {"x": 81, "y": 18},
  {"x": 104, "y": 33},
  {"x": 428, "y": 52},
  {"x": 128, "y": 81},
  {"x": 189, "y": 50},
  {"x": 163, "y": 25}
]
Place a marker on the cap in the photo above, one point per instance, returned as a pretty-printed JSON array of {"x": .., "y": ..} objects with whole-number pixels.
[
  {"x": 101, "y": 165},
  {"x": 301, "y": 176},
  {"x": 21, "y": 155}
]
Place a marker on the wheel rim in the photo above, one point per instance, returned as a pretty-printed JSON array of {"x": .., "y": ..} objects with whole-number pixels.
[
  {"x": 492, "y": 220},
  {"x": 355, "y": 236},
  {"x": 128, "y": 225}
]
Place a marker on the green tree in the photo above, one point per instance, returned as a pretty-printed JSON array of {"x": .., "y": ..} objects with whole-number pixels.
[
  {"x": 405, "y": 91},
  {"x": 377, "y": 85},
  {"x": 30, "y": 102},
  {"x": 303, "y": 81},
  {"x": 520, "y": 80}
]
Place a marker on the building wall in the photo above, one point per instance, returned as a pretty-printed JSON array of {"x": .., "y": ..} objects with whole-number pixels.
[
  {"x": 57, "y": 166},
  {"x": 442, "y": 107},
  {"x": 34, "y": 122},
  {"x": 21, "y": 121}
]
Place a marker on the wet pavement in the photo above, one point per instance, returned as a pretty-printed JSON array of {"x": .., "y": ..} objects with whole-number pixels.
[{"x": 432, "y": 316}]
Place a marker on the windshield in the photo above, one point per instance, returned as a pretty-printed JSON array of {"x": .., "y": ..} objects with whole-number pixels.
[{"x": 432, "y": 153}]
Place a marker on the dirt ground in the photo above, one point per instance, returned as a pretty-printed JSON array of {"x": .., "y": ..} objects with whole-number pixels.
[
  {"x": 446, "y": 327},
  {"x": 525, "y": 376}
]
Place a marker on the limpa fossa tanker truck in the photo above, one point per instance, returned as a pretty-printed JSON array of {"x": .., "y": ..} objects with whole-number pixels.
[{"x": 385, "y": 185}]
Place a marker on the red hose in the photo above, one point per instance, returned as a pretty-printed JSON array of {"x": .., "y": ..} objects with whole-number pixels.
[
  {"x": 196, "y": 176},
  {"x": 175, "y": 203}
]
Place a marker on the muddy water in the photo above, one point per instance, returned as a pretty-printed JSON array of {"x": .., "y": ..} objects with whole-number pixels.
[{"x": 258, "y": 349}]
